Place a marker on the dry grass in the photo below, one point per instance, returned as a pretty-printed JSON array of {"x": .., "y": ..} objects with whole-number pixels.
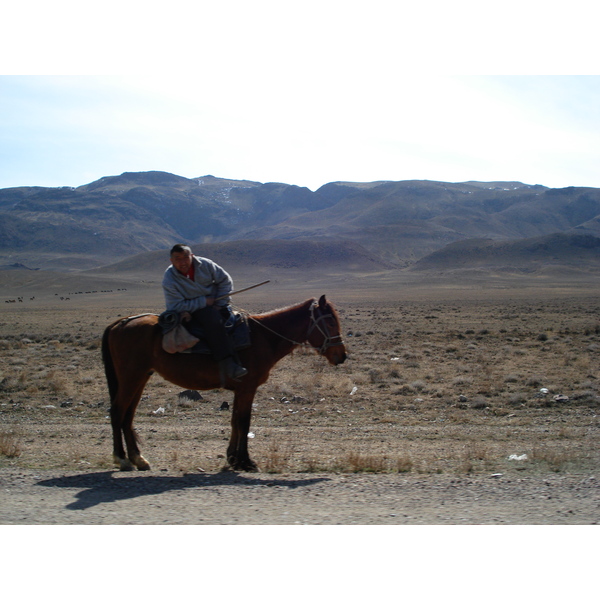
[
  {"x": 10, "y": 444},
  {"x": 429, "y": 387}
]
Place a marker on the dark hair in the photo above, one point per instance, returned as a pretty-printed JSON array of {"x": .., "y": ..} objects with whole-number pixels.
[{"x": 180, "y": 248}]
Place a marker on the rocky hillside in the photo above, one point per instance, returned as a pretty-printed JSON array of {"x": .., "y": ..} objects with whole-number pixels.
[
  {"x": 397, "y": 223},
  {"x": 573, "y": 250}
]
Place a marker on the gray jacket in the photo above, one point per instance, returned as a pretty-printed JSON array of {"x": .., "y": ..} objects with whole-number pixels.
[{"x": 184, "y": 295}]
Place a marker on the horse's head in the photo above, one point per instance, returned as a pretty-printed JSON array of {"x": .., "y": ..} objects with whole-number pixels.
[{"x": 324, "y": 332}]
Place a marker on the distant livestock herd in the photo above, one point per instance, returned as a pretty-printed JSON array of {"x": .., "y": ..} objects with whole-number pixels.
[{"x": 20, "y": 298}]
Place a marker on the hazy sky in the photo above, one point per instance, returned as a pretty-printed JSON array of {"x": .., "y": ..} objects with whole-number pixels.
[{"x": 300, "y": 93}]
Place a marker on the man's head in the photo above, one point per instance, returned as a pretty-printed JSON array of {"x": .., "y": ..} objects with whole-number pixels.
[{"x": 181, "y": 258}]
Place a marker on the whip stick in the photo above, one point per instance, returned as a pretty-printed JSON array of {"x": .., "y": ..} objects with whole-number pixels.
[{"x": 244, "y": 290}]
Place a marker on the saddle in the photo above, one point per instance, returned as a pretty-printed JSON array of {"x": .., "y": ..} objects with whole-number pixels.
[{"x": 179, "y": 336}]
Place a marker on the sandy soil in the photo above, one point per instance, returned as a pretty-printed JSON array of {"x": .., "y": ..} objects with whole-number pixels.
[{"x": 294, "y": 499}]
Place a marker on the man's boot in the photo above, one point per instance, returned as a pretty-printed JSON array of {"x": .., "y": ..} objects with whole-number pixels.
[{"x": 231, "y": 370}]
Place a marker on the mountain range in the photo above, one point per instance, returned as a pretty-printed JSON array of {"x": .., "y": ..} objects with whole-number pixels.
[{"x": 419, "y": 225}]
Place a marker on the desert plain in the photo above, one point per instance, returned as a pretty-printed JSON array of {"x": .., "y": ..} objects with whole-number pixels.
[{"x": 466, "y": 399}]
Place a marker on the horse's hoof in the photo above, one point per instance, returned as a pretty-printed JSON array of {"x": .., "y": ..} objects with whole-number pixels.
[
  {"x": 141, "y": 463},
  {"x": 247, "y": 465},
  {"x": 124, "y": 464}
]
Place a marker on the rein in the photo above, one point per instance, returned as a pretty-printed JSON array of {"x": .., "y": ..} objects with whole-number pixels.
[{"x": 314, "y": 324}]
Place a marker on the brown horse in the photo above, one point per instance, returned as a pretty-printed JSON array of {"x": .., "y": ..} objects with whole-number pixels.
[{"x": 132, "y": 352}]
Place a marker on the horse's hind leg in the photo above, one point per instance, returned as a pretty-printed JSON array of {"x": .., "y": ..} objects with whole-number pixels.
[
  {"x": 118, "y": 449},
  {"x": 122, "y": 412},
  {"x": 131, "y": 440}
]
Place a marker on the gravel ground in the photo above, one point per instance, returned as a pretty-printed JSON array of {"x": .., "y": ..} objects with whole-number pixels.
[{"x": 228, "y": 498}]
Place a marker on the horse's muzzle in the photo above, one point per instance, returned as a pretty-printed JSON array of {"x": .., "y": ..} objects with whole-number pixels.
[{"x": 336, "y": 355}]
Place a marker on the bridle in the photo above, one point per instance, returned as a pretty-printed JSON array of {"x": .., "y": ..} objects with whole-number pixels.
[{"x": 329, "y": 341}]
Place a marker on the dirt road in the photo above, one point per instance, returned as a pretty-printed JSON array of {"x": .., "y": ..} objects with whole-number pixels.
[{"x": 108, "y": 497}]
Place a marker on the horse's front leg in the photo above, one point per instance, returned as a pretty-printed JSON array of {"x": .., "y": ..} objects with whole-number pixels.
[{"x": 237, "y": 451}]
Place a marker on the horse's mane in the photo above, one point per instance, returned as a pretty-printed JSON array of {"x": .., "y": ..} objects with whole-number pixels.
[
  {"x": 287, "y": 310},
  {"x": 284, "y": 311}
]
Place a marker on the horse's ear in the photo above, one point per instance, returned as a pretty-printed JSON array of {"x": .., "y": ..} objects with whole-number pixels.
[{"x": 322, "y": 301}]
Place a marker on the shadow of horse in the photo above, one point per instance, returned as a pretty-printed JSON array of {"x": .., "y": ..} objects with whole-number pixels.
[{"x": 104, "y": 487}]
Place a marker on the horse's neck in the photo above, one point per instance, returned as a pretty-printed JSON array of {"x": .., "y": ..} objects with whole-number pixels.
[{"x": 289, "y": 326}]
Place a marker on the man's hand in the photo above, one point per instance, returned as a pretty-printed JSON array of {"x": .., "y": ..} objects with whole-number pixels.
[{"x": 209, "y": 300}]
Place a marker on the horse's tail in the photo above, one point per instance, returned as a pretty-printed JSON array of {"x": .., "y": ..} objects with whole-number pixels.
[{"x": 109, "y": 367}]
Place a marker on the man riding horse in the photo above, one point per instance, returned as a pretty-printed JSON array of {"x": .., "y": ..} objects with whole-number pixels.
[{"x": 200, "y": 287}]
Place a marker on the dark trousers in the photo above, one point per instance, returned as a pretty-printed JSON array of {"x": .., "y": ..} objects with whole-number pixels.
[{"x": 210, "y": 321}]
